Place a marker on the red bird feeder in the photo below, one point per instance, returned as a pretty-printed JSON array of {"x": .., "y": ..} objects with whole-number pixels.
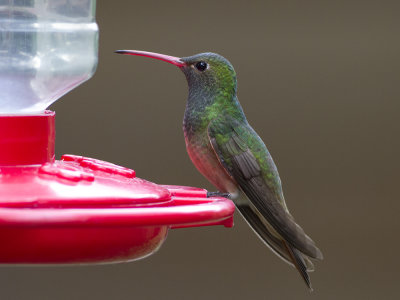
[
  {"x": 78, "y": 209},
  {"x": 84, "y": 210}
]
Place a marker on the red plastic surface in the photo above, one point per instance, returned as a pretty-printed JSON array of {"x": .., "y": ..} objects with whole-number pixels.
[
  {"x": 27, "y": 139},
  {"x": 84, "y": 210}
]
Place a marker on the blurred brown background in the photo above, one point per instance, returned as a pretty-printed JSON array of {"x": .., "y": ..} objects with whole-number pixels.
[{"x": 318, "y": 80}]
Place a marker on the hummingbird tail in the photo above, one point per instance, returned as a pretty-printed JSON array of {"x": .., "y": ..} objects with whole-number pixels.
[
  {"x": 282, "y": 249},
  {"x": 299, "y": 263},
  {"x": 266, "y": 236}
]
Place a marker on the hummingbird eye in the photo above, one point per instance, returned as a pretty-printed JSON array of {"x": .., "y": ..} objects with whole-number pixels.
[{"x": 201, "y": 66}]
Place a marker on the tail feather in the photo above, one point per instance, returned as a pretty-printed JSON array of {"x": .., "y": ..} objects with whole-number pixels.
[
  {"x": 259, "y": 228},
  {"x": 299, "y": 263},
  {"x": 282, "y": 249},
  {"x": 309, "y": 264}
]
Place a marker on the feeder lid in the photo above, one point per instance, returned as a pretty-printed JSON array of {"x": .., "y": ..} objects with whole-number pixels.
[{"x": 77, "y": 181}]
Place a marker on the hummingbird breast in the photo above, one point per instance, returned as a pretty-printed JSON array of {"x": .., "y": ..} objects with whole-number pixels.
[
  {"x": 202, "y": 155},
  {"x": 201, "y": 108}
]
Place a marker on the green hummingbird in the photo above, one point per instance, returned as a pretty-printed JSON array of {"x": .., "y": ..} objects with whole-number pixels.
[{"x": 230, "y": 154}]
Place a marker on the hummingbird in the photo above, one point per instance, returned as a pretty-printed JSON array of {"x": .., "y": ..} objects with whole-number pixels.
[{"x": 231, "y": 155}]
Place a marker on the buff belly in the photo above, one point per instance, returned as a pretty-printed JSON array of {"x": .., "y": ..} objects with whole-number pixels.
[{"x": 206, "y": 161}]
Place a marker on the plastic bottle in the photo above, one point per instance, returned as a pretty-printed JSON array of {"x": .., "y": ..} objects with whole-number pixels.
[{"x": 47, "y": 48}]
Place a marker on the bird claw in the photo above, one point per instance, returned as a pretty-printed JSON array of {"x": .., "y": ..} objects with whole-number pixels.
[{"x": 218, "y": 194}]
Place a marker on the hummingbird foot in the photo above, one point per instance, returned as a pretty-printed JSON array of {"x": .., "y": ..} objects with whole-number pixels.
[{"x": 218, "y": 194}]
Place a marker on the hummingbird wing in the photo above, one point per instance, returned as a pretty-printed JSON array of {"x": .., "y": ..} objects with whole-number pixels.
[{"x": 244, "y": 155}]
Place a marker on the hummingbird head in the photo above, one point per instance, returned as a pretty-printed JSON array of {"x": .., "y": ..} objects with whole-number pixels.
[
  {"x": 206, "y": 73},
  {"x": 209, "y": 72}
]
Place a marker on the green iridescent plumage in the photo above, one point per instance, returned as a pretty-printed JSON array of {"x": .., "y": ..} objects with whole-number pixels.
[
  {"x": 230, "y": 154},
  {"x": 220, "y": 141},
  {"x": 210, "y": 95}
]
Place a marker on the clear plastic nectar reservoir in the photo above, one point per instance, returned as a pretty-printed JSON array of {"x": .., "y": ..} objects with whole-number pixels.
[{"x": 47, "y": 48}]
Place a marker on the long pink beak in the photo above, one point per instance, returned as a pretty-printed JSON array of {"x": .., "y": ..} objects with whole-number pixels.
[{"x": 170, "y": 59}]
